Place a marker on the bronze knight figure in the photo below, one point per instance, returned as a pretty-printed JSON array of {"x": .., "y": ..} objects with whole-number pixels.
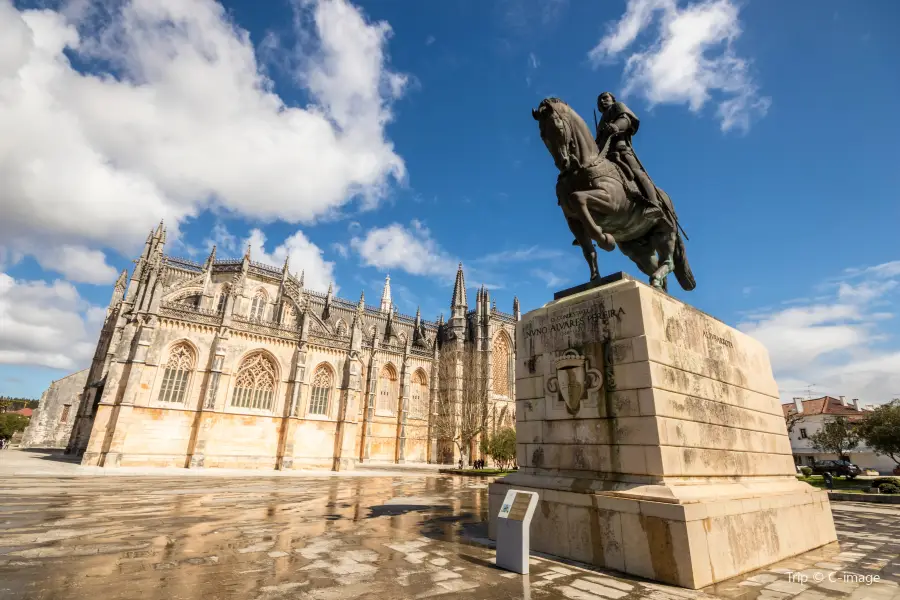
[{"x": 606, "y": 195}]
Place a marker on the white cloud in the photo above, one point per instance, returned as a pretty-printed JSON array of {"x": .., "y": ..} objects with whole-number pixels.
[
  {"x": 76, "y": 263},
  {"x": 46, "y": 324},
  {"x": 690, "y": 59},
  {"x": 222, "y": 239},
  {"x": 842, "y": 345},
  {"x": 412, "y": 250},
  {"x": 303, "y": 256},
  {"x": 550, "y": 278},
  {"x": 340, "y": 249},
  {"x": 179, "y": 117}
]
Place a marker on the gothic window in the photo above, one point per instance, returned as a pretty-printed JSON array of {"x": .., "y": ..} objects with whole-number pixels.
[
  {"x": 177, "y": 374},
  {"x": 259, "y": 305},
  {"x": 322, "y": 383},
  {"x": 255, "y": 384},
  {"x": 387, "y": 390},
  {"x": 402, "y": 338},
  {"x": 341, "y": 327},
  {"x": 288, "y": 318},
  {"x": 419, "y": 396},
  {"x": 220, "y": 303},
  {"x": 65, "y": 414},
  {"x": 500, "y": 372}
]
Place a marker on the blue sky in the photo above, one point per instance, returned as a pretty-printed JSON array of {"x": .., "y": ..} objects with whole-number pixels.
[{"x": 382, "y": 137}]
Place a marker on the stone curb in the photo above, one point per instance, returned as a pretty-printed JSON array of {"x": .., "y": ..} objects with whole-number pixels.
[
  {"x": 873, "y": 498},
  {"x": 468, "y": 473}
]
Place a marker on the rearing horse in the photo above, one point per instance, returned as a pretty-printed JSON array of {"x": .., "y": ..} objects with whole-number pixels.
[{"x": 597, "y": 207}]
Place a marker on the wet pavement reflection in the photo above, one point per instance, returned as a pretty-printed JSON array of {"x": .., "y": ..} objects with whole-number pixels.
[{"x": 384, "y": 537}]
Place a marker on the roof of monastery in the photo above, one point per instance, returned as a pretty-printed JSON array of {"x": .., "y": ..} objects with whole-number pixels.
[{"x": 826, "y": 405}]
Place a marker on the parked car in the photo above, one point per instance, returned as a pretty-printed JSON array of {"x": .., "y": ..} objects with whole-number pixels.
[{"x": 837, "y": 468}]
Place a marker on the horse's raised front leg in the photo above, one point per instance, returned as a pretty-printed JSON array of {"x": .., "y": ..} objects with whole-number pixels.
[
  {"x": 664, "y": 241},
  {"x": 587, "y": 246},
  {"x": 579, "y": 203}
]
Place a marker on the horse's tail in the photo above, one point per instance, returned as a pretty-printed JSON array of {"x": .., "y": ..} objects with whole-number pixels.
[{"x": 683, "y": 272}]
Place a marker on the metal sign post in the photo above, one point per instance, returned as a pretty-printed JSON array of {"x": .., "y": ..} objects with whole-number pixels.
[{"x": 513, "y": 526}]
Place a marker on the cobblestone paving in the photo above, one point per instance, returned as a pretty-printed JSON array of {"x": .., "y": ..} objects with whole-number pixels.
[{"x": 322, "y": 538}]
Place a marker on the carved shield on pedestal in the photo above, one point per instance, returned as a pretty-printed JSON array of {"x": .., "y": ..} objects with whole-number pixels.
[
  {"x": 573, "y": 379},
  {"x": 571, "y": 386}
]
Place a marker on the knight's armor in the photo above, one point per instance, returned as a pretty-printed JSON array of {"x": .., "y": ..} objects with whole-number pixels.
[{"x": 619, "y": 124}]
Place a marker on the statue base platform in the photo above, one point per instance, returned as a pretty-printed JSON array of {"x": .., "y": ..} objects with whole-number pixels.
[{"x": 654, "y": 436}]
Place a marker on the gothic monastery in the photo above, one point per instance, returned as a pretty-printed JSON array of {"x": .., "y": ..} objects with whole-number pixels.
[{"x": 233, "y": 363}]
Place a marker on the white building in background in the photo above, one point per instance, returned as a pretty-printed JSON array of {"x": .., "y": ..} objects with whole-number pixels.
[{"x": 814, "y": 414}]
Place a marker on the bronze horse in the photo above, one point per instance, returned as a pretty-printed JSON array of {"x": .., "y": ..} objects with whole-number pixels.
[{"x": 598, "y": 208}]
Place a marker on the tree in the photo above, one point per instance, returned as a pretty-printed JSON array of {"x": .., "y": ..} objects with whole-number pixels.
[
  {"x": 462, "y": 402},
  {"x": 881, "y": 430},
  {"x": 11, "y": 423},
  {"x": 837, "y": 436},
  {"x": 792, "y": 419},
  {"x": 501, "y": 447}
]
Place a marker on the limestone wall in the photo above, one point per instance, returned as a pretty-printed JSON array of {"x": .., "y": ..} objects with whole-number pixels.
[{"x": 52, "y": 421}]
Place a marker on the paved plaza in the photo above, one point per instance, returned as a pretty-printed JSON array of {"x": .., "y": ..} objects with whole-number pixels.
[{"x": 66, "y": 532}]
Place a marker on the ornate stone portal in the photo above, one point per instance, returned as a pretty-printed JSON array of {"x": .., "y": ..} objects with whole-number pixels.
[{"x": 655, "y": 438}]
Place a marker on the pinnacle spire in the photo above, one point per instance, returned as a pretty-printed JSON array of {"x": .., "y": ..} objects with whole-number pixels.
[
  {"x": 386, "y": 301},
  {"x": 515, "y": 304},
  {"x": 302, "y": 277},
  {"x": 123, "y": 276},
  {"x": 459, "y": 289},
  {"x": 330, "y": 288},
  {"x": 287, "y": 260},
  {"x": 361, "y": 307},
  {"x": 212, "y": 257}
]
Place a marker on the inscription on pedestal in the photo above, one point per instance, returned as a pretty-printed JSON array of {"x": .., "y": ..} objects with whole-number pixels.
[{"x": 574, "y": 325}]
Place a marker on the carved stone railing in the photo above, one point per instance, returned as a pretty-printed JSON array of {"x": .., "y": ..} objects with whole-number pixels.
[
  {"x": 270, "y": 328},
  {"x": 190, "y": 314},
  {"x": 503, "y": 315},
  {"x": 184, "y": 263},
  {"x": 419, "y": 351},
  {"x": 392, "y": 347},
  {"x": 331, "y": 341}
]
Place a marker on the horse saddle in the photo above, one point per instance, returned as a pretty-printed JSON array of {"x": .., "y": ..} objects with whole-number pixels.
[{"x": 608, "y": 168}]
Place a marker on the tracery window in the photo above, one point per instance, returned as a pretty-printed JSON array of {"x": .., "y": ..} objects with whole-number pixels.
[
  {"x": 500, "y": 367},
  {"x": 387, "y": 390},
  {"x": 323, "y": 381},
  {"x": 220, "y": 303},
  {"x": 288, "y": 318},
  {"x": 255, "y": 384},
  {"x": 419, "y": 396},
  {"x": 177, "y": 374},
  {"x": 259, "y": 305},
  {"x": 341, "y": 327}
]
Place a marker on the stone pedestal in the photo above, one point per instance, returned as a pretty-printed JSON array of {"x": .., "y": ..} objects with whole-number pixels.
[{"x": 654, "y": 435}]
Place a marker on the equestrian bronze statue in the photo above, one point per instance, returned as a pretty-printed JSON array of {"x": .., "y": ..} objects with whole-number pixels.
[{"x": 606, "y": 195}]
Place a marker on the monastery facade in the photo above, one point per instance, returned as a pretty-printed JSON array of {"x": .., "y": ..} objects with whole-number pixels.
[{"x": 233, "y": 363}]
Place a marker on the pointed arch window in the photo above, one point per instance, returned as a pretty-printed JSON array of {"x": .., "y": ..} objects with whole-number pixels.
[
  {"x": 257, "y": 309},
  {"x": 255, "y": 384},
  {"x": 500, "y": 368},
  {"x": 387, "y": 391},
  {"x": 220, "y": 303},
  {"x": 177, "y": 375},
  {"x": 419, "y": 396},
  {"x": 323, "y": 382},
  {"x": 288, "y": 317}
]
